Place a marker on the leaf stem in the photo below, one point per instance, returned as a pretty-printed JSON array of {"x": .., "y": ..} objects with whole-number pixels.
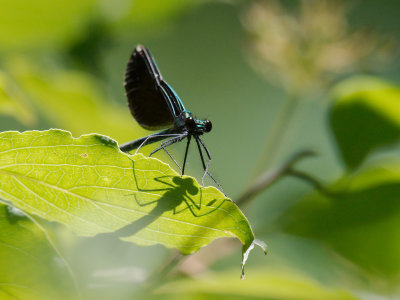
[
  {"x": 314, "y": 182},
  {"x": 269, "y": 177}
]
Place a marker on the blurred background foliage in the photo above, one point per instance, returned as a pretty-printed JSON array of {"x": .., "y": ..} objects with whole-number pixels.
[{"x": 275, "y": 77}]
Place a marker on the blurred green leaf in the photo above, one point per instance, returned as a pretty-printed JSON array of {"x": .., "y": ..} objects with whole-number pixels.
[
  {"x": 30, "y": 267},
  {"x": 145, "y": 15},
  {"x": 364, "y": 116},
  {"x": 71, "y": 100},
  {"x": 92, "y": 187},
  {"x": 42, "y": 24},
  {"x": 362, "y": 222},
  {"x": 260, "y": 284},
  {"x": 143, "y": 12},
  {"x": 12, "y": 101}
]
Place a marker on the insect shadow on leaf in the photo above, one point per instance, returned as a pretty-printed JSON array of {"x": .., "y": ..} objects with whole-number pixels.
[{"x": 175, "y": 191}]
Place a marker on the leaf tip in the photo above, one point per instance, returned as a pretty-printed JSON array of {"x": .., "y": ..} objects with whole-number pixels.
[
  {"x": 262, "y": 245},
  {"x": 242, "y": 276},
  {"x": 246, "y": 252}
]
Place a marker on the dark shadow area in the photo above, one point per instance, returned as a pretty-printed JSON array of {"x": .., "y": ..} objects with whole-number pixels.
[
  {"x": 369, "y": 130},
  {"x": 86, "y": 52},
  {"x": 174, "y": 195}
]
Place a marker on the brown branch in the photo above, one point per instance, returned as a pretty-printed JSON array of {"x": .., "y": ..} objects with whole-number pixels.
[{"x": 271, "y": 176}]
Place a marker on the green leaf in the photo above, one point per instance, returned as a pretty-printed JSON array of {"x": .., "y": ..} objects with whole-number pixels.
[
  {"x": 144, "y": 16},
  {"x": 260, "y": 284},
  {"x": 30, "y": 267},
  {"x": 92, "y": 187},
  {"x": 143, "y": 12},
  {"x": 42, "y": 24},
  {"x": 360, "y": 219},
  {"x": 364, "y": 116}
]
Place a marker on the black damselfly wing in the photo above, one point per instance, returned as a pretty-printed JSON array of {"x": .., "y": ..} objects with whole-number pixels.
[{"x": 151, "y": 100}]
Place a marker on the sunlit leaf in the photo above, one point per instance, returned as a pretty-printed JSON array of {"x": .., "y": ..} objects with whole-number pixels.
[
  {"x": 360, "y": 219},
  {"x": 42, "y": 24},
  {"x": 260, "y": 284},
  {"x": 92, "y": 187},
  {"x": 30, "y": 267},
  {"x": 365, "y": 116}
]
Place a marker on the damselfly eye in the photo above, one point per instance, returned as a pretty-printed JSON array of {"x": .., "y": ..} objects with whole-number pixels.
[
  {"x": 190, "y": 123},
  {"x": 207, "y": 126}
]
